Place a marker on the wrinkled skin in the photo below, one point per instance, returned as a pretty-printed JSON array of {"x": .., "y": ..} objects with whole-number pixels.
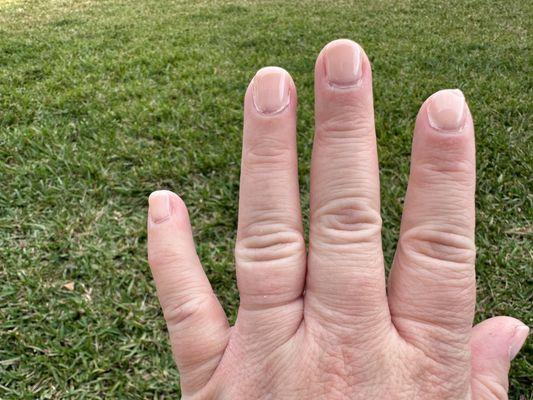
[{"x": 322, "y": 323}]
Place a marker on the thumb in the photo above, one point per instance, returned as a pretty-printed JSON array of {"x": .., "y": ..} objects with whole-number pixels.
[
  {"x": 495, "y": 342},
  {"x": 196, "y": 322}
]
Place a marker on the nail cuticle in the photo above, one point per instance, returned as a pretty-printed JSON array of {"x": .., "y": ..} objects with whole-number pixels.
[
  {"x": 457, "y": 131},
  {"x": 355, "y": 85}
]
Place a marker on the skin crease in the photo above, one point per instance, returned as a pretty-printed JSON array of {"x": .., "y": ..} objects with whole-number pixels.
[{"x": 324, "y": 323}]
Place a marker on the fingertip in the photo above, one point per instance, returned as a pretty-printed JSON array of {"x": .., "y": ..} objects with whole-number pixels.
[
  {"x": 445, "y": 113},
  {"x": 163, "y": 204},
  {"x": 446, "y": 110},
  {"x": 494, "y": 343},
  {"x": 271, "y": 92},
  {"x": 270, "y": 71},
  {"x": 159, "y": 206},
  {"x": 342, "y": 65},
  {"x": 444, "y": 134},
  {"x": 499, "y": 337}
]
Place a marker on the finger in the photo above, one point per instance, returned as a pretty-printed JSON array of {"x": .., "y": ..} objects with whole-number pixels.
[
  {"x": 432, "y": 283},
  {"x": 196, "y": 323},
  {"x": 270, "y": 249},
  {"x": 345, "y": 267},
  {"x": 495, "y": 342}
]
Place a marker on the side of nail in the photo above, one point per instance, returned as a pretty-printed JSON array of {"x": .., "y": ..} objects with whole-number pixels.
[
  {"x": 159, "y": 206},
  {"x": 517, "y": 341}
]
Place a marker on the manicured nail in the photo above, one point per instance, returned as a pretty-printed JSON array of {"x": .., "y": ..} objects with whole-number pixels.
[
  {"x": 343, "y": 63},
  {"x": 446, "y": 110},
  {"x": 520, "y": 335},
  {"x": 159, "y": 206},
  {"x": 270, "y": 90}
]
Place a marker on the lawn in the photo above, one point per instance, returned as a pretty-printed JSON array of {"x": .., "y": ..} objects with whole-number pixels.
[{"x": 102, "y": 102}]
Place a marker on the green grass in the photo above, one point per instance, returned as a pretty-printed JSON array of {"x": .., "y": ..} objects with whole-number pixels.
[{"x": 102, "y": 102}]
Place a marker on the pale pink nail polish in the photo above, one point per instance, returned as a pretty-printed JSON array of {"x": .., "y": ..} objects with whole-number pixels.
[
  {"x": 270, "y": 90},
  {"x": 343, "y": 63},
  {"x": 446, "y": 110},
  {"x": 520, "y": 335},
  {"x": 159, "y": 206}
]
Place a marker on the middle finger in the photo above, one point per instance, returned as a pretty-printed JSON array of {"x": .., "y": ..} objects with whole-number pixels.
[{"x": 345, "y": 267}]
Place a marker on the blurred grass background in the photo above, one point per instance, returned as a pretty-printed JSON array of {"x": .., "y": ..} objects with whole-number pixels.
[{"x": 102, "y": 102}]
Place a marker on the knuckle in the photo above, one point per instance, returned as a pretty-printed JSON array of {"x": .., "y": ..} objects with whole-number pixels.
[
  {"x": 176, "y": 314},
  {"x": 164, "y": 257},
  {"x": 439, "y": 244},
  {"x": 349, "y": 123},
  {"x": 347, "y": 221},
  {"x": 267, "y": 152},
  {"x": 490, "y": 388},
  {"x": 270, "y": 265},
  {"x": 445, "y": 170},
  {"x": 269, "y": 243}
]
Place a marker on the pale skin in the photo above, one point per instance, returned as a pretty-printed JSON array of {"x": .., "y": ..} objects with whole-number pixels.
[{"x": 324, "y": 322}]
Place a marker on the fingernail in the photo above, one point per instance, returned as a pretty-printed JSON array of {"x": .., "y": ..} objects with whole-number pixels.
[
  {"x": 159, "y": 206},
  {"x": 446, "y": 110},
  {"x": 343, "y": 63},
  {"x": 517, "y": 341},
  {"x": 270, "y": 90}
]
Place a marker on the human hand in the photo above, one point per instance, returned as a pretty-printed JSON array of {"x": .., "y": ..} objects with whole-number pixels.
[{"x": 322, "y": 325}]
